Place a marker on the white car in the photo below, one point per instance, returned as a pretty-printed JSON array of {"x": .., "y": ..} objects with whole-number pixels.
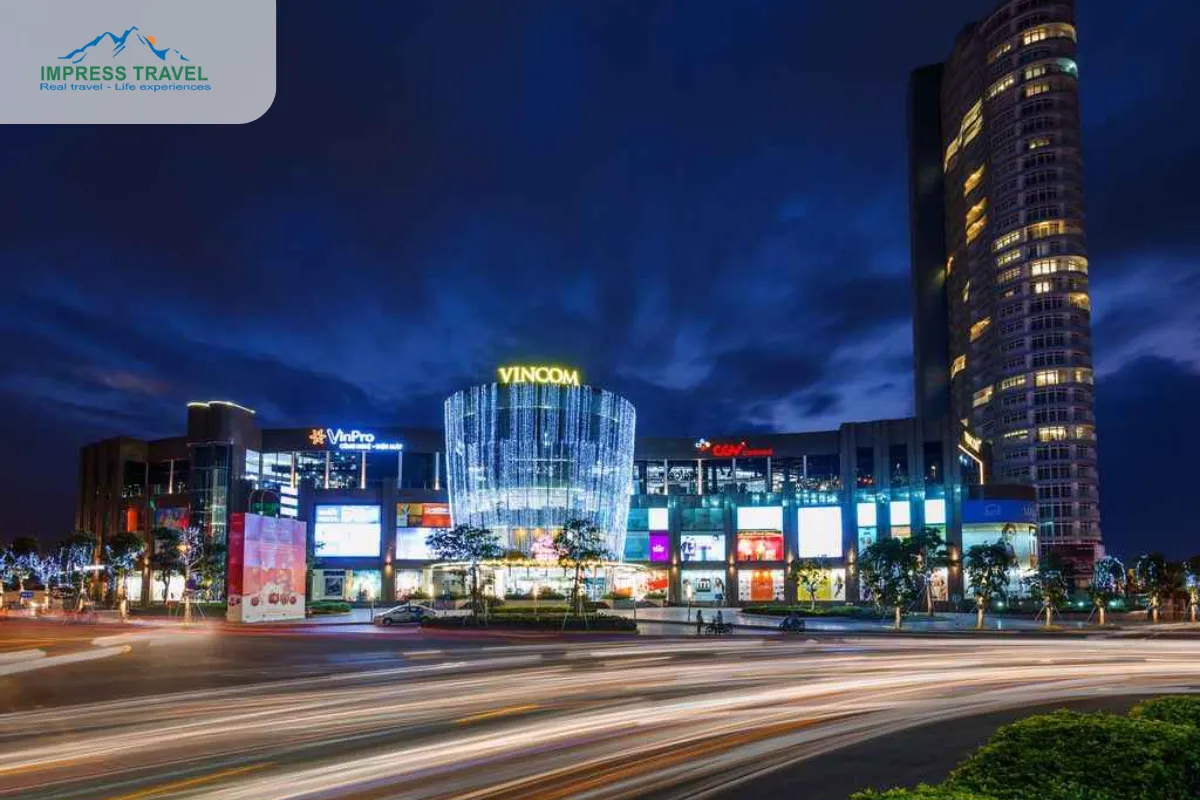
[{"x": 409, "y": 612}]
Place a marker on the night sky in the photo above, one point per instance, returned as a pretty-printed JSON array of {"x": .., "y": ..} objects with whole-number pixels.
[{"x": 702, "y": 205}]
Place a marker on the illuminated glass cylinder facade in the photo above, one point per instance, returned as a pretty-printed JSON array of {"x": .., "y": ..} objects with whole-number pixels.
[{"x": 523, "y": 458}]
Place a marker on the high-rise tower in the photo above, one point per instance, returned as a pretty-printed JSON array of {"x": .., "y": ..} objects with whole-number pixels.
[{"x": 1010, "y": 281}]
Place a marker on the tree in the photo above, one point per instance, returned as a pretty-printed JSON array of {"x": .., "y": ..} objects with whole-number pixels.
[
  {"x": 1108, "y": 583},
  {"x": 810, "y": 574},
  {"x": 1153, "y": 577},
  {"x": 47, "y": 570},
  {"x": 76, "y": 553},
  {"x": 987, "y": 568},
  {"x": 889, "y": 571},
  {"x": 466, "y": 543},
  {"x": 931, "y": 552},
  {"x": 22, "y": 551},
  {"x": 165, "y": 557},
  {"x": 1051, "y": 587},
  {"x": 123, "y": 552},
  {"x": 1192, "y": 585},
  {"x": 578, "y": 544}
]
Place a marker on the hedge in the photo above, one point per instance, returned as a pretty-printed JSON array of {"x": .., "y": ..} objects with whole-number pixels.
[
  {"x": 548, "y": 622},
  {"x": 922, "y": 792},
  {"x": 1071, "y": 756},
  {"x": 1179, "y": 710},
  {"x": 782, "y": 610},
  {"x": 320, "y": 607}
]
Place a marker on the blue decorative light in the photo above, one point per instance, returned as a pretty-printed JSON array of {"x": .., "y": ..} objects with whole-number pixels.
[{"x": 524, "y": 457}]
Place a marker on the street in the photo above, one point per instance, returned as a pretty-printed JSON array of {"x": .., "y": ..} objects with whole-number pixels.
[{"x": 361, "y": 711}]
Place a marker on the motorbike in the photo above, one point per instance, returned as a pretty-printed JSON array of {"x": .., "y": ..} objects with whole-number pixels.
[{"x": 792, "y": 625}]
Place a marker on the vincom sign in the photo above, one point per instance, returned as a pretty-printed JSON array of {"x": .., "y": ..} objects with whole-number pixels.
[{"x": 559, "y": 376}]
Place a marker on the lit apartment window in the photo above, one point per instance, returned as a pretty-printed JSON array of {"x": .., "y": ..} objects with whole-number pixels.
[
  {"x": 972, "y": 122},
  {"x": 1087, "y": 432},
  {"x": 1049, "y": 377},
  {"x": 1034, "y": 89},
  {"x": 1053, "y": 227},
  {"x": 1056, "y": 433},
  {"x": 1041, "y": 287},
  {"x": 1007, "y": 82},
  {"x": 1015, "y": 435},
  {"x": 1002, "y": 50},
  {"x": 958, "y": 366},
  {"x": 949, "y": 265},
  {"x": 1083, "y": 376},
  {"x": 975, "y": 211},
  {"x": 1041, "y": 141},
  {"x": 1008, "y": 257},
  {"x": 967, "y": 290},
  {"x": 1007, "y": 239},
  {"x": 1055, "y": 30},
  {"x": 1048, "y": 266},
  {"x": 972, "y": 181},
  {"x": 1013, "y": 382},
  {"x": 1009, "y": 275},
  {"x": 976, "y": 228},
  {"x": 979, "y": 327},
  {"x": 982, "y": 397},
  {"x": 1080, "y": 300}
]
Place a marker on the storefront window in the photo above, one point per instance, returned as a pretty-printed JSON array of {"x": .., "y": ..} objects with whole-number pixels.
[
  {"x": 759, "y": 546},
  {"x": 408, "y": 581},
  {"x": 831, "y": 588},
  {"x": 760, "y": 585},
  {"x": 656, "y": 478},
  {"x": 750, "y": 474},
  {"x": 365, "y": 585},
  {"x": 703, "y": 586},
  {"x": 637, "y": 546},
  {"x": 702, "y": 547},
  {"x": 820, "y": 531}
]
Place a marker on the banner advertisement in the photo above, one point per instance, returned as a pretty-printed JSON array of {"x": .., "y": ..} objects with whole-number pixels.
[
  {"x": 759, "y": 546},
  {"x": 760, "y": 585},
  {"x": 267, "y": 559},
  {"x": 175, "y": 518}
]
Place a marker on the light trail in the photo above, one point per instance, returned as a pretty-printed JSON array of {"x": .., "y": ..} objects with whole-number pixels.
[{"x": 669, "y": 718}]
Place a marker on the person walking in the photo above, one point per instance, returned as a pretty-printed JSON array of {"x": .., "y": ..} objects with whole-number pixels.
[
  {"x": 720, "y": 619},
  {"x": 699, "y": 622}
]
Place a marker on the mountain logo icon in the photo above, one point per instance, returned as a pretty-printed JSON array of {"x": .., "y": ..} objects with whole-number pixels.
[{"x": 132, "y": 46}]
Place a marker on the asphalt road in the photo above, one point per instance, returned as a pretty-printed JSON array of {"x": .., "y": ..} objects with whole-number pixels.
[{"x": 403, "y": 713}]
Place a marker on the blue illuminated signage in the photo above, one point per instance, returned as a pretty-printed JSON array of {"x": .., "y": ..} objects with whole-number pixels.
[
  {"x": 351, "y": 440},
  {"x": 999, "y": 511}
]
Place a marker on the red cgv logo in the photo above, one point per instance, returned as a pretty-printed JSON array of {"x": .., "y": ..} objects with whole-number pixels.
[{"x": 739, "y": 450}]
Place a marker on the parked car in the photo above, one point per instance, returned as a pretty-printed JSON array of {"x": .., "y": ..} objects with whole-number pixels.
[{"x": 409, "y": 612}]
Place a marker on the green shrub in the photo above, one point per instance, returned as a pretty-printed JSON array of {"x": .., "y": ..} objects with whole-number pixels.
[
  {"x": 527, "y": 621},
  {"x": 418, "y": 594},
  {"x": 1178, "y": 710},
  {"x": 1071, "y": 756},
  {"x": 922, "y": 792},
  {"x": 321, "y": 607},
  {"x": 783, "y": 609}
]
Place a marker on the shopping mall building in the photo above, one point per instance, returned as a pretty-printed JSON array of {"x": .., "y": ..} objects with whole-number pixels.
[{"x": 714, "y": 519}]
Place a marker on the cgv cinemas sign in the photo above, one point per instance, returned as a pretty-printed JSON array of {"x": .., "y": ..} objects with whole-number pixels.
[{"x": 559, "y": 376}]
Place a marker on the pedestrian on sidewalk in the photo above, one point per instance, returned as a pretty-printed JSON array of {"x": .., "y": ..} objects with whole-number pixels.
[{"x": 699, "y": 622}]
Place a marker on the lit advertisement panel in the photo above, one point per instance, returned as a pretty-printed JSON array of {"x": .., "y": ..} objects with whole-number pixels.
[
  {"x": 706, "y": 586},
  {"x": 768, "y": 518},
  {"x": 266, "y": 568},
  {"x": 901, "y": 513},
  {"x": 174, "y": 518},
  {"x": 637, "y": 546},
  {"x": 935, "y": 511},
  {"x": 832, "y": 587},
  {"x": 759, "y": 546},
  {"x": 702, "y": 547},
  {"x": 660, "y": 547},
  {"x": 347, "y": 530},
  {"x": 760, "y": 585},
  {"x": 658, "y": 519},
  {"x": 1019, "y": 538},
  {"x": 410, "y": 544},
  {"x": 820, "y": 531},
  {"x": 422, "y": 515},
  {"x": 868, "y": 515}
]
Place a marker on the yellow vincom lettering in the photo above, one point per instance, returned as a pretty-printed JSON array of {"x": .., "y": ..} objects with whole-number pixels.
[{"x": 560, "y": 376}]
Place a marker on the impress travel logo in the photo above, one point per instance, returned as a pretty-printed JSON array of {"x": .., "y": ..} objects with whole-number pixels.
[{"x": 129, "y": 62}]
